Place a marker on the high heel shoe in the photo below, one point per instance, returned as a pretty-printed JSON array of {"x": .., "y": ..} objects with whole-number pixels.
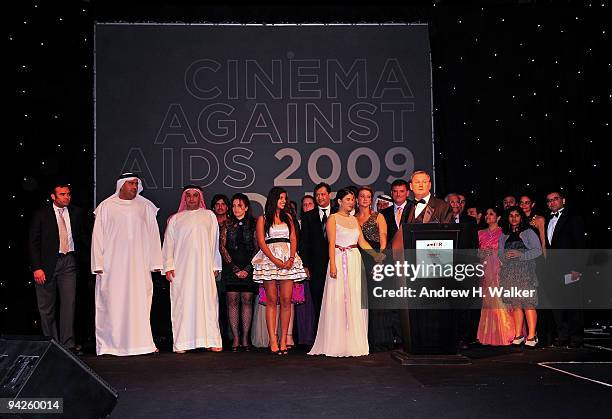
[
  {"x": 531, "y": 343},
  {"x": 282, "y": 351},
  {"x": 292, "y": 344},
  {"x": 277, "y": 351}
]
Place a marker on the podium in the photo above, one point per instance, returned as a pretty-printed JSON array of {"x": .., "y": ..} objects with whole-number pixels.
[{"x": 428, "y": 331}]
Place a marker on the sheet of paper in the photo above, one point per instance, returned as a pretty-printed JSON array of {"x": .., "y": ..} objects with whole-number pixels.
[
  {"x": 568, "y": 279},
  {"x": 432, "y": 253}
]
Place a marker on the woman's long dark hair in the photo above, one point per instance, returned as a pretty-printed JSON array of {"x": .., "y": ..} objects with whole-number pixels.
[
  {"x": 270, "y": 209},
  {"x": 248, "y": 218},
  {"x": 294, "y": 217},
  {"x": 523, "y": 225},
  {"x": 344, "y": 192}
]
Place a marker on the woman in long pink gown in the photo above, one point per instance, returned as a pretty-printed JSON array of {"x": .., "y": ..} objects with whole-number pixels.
[{"x": 496, "y": 325}]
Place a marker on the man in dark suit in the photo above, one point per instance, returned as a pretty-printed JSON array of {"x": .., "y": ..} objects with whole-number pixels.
[
  {"x": 56, "y": 238},
  {"x": 426, "y": 208},
  {"x": 466, "y": 321},
  {"x": 395, "y": 214},
  {"x": 468, "y": 236},
  {"x": 565, "y": 231},
  {"x": 388, "y": 321},
  {"x": 314, "y": 247}
]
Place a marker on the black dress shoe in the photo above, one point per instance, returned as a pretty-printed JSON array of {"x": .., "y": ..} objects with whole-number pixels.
[
  {"x": 559, "y": 343},
  {"x": 575, "y": 345},
  {"x": 462, "y": 345},
  {"x": 76, "y": 351}
]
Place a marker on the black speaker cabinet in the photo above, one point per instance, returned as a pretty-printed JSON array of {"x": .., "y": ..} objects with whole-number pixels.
[{"x": 37, "y": 367}]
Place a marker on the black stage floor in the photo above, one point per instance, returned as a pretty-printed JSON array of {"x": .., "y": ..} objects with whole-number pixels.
[{"x": 498, "y": 382}]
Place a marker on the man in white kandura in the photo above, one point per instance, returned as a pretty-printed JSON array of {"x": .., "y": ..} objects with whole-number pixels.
[
  {"x": 125, "y": 250},
  {"x": 192, "y": 262}
]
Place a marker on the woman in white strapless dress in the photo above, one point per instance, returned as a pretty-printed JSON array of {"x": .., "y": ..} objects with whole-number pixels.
[
  {"x": 277, "y": 265},
  {"x": 343, "y": 323}
]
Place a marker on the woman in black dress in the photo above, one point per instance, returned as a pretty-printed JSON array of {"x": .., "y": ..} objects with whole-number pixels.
[
  {"x": 374, "y": 229},
  {"x": 238, "y": 245}
]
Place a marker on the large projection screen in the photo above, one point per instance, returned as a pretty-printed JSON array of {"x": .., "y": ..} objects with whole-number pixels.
[{"x": 242, "y": 108}]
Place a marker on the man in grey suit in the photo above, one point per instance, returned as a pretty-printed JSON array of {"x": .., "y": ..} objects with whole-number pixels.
[{"x": 56, "y": 237}]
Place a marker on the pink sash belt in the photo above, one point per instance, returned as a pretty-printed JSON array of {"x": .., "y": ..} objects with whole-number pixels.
[{"x": 345, "y": 285}]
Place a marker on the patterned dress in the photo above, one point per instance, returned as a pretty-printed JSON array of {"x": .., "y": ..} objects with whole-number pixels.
[
  {"x": 380, "y": 321},
  {"x": 518, "y": 273},
  {"x": 370, "y": 231}
]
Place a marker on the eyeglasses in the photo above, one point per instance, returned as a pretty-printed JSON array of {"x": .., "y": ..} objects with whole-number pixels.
[
  {"x": 525, "y": 202},
  {"x": 556, "y": 198},
  {"x": 420, "y": 182}
]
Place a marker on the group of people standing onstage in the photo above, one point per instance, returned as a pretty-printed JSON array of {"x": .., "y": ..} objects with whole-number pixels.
[
  {"x": 519, "y": 247},
  {"x": 278, "y": 251},
  {"x": 226, "y": 255}
]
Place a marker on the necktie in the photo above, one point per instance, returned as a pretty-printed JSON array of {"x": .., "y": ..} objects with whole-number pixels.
[
  {"x": 398, "y": 216},
  {"x": 555, "y": 214},
  {"x": 63, "y": 232},
  {"x": 324, "y": 221},
  {"x": 421, "y": 201}
]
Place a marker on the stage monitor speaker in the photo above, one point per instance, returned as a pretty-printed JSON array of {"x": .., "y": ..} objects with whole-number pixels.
[{"x": 38, "y": 367}]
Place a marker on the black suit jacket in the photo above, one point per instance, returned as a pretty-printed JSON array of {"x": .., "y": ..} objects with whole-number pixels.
[
  {"x": 568, "y": 234},
  {"x": 389, "y": 214},
  {"x": 44, "y": 238},
  {"x": 313, "y": 244},
  {"x": 468, "y": 234}
]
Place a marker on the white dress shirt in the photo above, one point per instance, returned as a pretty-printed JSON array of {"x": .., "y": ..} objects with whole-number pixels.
[
  {"x": 420, "y": 207},
  {"x": 327, "y": 212},
  {"x": 551, "y": 226},
  {"x": 396, "y": 208}
]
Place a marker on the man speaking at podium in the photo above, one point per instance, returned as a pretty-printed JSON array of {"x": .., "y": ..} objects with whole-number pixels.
[
  {"x": 426, "y": 208},
  {"x": 424, "y": 331}
]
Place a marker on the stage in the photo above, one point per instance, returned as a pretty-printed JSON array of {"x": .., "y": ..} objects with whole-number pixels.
[
  {"x": 498, "y": 382},
  {"x": 494, "y": 99}
]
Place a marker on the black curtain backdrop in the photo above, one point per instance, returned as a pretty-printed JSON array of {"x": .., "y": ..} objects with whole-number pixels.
[{"x": 521, "y": 98}]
